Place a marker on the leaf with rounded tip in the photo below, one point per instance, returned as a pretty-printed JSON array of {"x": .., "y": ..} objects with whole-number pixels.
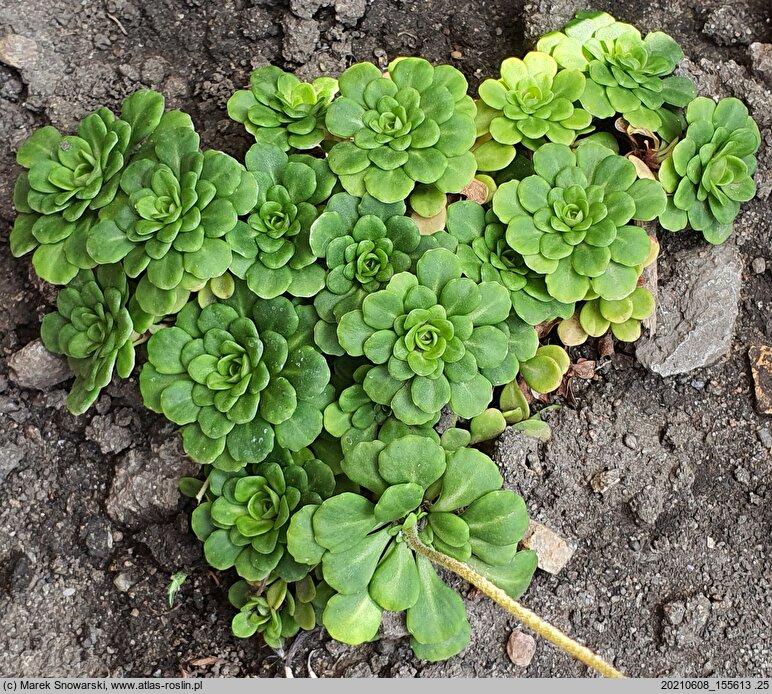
[
  {"x": 514, "y": 577},
  {"x": 349, "y": 571},
  {"x": 398, "y": 500},
  {"x": 352, "y": 619},
  {"x": 498, "y": 517},
  {"x": 301, "y": 543},
  {"x": 395, "y": 585},
  {"x": 469, "y": 475},
  {"x": 439, "y": 612},
  {"x": 412, "y": 458},
  {"x": 219, "y": 551},
  {"x": 342, "y": 521},
  {"x": 470, "y": 398}
]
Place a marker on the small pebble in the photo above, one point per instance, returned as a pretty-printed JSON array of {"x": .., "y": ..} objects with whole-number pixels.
[
  {"x": 765, "y": 437},
  {"x": 123, "y": 582},
  {"x": 456, "y": 55},
  {"x": 68, "y": 592},
  {"x": 630, "y": 441},
  {"x": 759, "y": 265},
  {"x": 520, "y": 648}
]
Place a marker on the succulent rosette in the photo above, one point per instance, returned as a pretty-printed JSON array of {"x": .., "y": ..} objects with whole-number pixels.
[
  {"x": 92, "y": 326},
  {"x": 436, "y": 338},
  {"x": 239, "y": 375},
  {"x": 244, "y": 522},
  {"x": 281, "y": 110},
  {"x": 70, "y": 178},
  {"x": 570, "y": 220},
  {"x": 363, "y": 242},
  {"x": 454, "y": 494},
  {"x": 414, "y": 126},
  {"x": 276, "y": 609},
  {"x": 487, "y": 257},
  {"x": 168, "y": 224},
  {"x": 710, "y": 171},
  {"x": 627, "y": 74},
  {"x": 532, "y": 102},
  {"x": 271, "y": 249}
]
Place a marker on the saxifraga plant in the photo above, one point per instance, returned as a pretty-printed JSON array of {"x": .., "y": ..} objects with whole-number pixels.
[{"x": 320, "y": 329}]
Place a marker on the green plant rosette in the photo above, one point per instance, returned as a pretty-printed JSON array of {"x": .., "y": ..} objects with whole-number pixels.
[
  {"x": 531, "y": 103},
  {"x": 436, "y": 338},
  {"x": 626, "y": 74},
  {"x": 412, "y": 128},
  {"x": 280, "y": 110},
  {"x": 276, "y": 609},
  {"x": 622, "y": 317},
  {"x": 363, "y": 242},
  {"x": 454, "y": 493},
  {"x": 70, "y": 178},
  {"x": 271, "y": 250},
  {"x": 243, "y": 523},
  {"x": 168, "y": 224},
  {"x": 487, "y": 257},
  {"x": 570, "y": 220},
  {"x": 239, "y": 375},
  {"x": 92, "y": 326},
  {"x": 710, "y": 171}
]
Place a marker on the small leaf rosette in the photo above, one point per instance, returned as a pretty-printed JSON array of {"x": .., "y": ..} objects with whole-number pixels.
[
  {"x": 623, "y": 317},
  {"x": 415, "y": 126},
  {"x": 244, "y": 522},
  {"x": 93, "y": 328},
  {"x": 627, "y": 74},
  {"x": 168, "y": 224},
  {"x": 455, "y": 495},
  {"x": 363, "y": 243},
  {"x": 238, "y": 376},
  {"x": 487, "y": 257},
  {"x": 280, "y": 110},
  {"x": 710, "y": 171},
  {"x": 271, "y": 249},
  {"x": 276, "y": 609},
  {"x": 533, "y": 102},
  {"x": 70, "y": 178},
  {"x": 436, "y": 337},
  {"x": 570, "y": 220}
]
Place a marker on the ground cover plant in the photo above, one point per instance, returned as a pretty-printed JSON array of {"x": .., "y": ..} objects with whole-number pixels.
[{"x": 296, "y": 317}]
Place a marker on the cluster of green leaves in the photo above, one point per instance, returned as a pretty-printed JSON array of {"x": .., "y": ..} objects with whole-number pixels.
[
  {"x": 455, "y": 493},
  {"x": 309, "y": 314},
  {"x": 240, "y": 376},
  {"x": 710, "y": 171},
  {"x": 281, "y": 110},
  {"x": 627, "y": 74}
]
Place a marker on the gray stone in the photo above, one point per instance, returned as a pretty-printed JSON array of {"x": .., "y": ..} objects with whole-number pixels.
[
  {"x": 765, "y": 436},
  {"x": 696, "y": 311},
  {"x": 349, "y": 12},
  {"x": 123, "y": 582},
  {"x": 144, "y": 488},
  {"x": 300, "y": 38},
  {"x": 97, "y": 535},
  {"x": 308, "y": 8},
  {"x": 761, "y": 59},
  {"x": 648, "y": 504},
  {"x": 393, "y": 626},
  {"x": 10, "y": 457},
  {"x": 17, "y": 51},
  {"x": 685, "y": 621},
  {"x": 542, "y": 16},
  {"x": 33, "y": 366},
  {"x": 110, "y": 437},
  {"x": 759, "y": 266}
]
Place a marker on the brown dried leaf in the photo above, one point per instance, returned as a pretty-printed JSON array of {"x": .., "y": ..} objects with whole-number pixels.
[
  {"x": 761, "y": 367},
  {"x": 641, "y": 168},
  {"x": 543, "y": 328},
  {"x": 583, "y": 368},
  {"x": 605, "y": 346},
  {"x": 207, "y": 661},
  {"x": 429, "y": 225},
  {"x": 476, "y": 191}
]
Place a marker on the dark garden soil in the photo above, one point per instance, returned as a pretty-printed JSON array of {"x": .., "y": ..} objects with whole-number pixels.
[{"x": 672, "y": 573}]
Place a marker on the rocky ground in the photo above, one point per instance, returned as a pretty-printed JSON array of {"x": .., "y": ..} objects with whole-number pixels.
[{"x": 662, "y": 484}]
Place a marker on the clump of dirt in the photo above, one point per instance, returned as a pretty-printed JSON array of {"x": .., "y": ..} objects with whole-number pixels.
[{"x": 662, "y": 484}]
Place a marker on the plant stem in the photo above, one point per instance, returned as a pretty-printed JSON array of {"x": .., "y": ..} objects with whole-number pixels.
[{"x": 526, "y": 616}]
